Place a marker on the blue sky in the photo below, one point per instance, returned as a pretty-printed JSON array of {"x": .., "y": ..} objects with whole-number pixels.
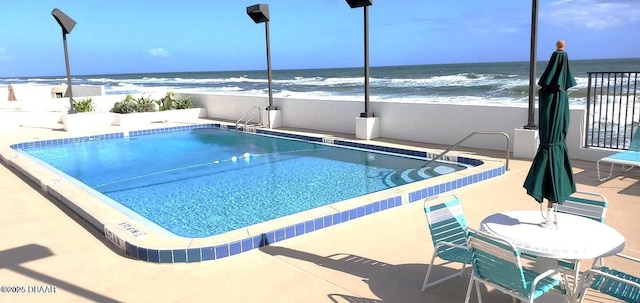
[{"x": 117, "y": 36}]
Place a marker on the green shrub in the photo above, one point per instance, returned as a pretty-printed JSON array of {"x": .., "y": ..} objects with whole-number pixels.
[
  {"x": 169, "y": 101},
  {"x": 145, "y": 105},
  {"x": 126, "y": 106},
  {"x": 181, "y": 103},
  {"x": 166, "y": 102},
  {"x": 83, "y": 106}
]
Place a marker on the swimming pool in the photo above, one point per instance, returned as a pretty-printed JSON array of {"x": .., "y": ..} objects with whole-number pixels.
[
  {"x": 141, "y": 242},
  {"x": 207, "y": 181}
]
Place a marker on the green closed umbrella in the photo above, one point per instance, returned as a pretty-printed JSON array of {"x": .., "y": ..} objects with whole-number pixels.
[{"x": 550, "y": 176}]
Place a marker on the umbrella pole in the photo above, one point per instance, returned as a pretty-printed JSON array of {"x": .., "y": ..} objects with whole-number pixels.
[{"x": 551, "y": 219}]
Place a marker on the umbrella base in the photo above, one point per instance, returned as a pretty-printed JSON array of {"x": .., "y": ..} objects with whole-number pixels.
[{"x": 551, "y": 219}]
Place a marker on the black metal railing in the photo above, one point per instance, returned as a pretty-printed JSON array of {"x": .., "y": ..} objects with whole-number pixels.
[{"x": 612, "y": 110}]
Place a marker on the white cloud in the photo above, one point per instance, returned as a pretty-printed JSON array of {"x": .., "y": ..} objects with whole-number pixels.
[
  {"x": 158, "y": 52},
  {"x": 594, "y": 14},
  {"x": 4, "y": 55}
]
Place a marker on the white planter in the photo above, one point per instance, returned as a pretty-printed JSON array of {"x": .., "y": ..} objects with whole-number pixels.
[
  {"x": 135, "y": 120},
  {"x": 86, "y": 121},
  {"x": 189, "y": 115}
]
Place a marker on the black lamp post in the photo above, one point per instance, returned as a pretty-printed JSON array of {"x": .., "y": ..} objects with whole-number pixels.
[
  {"x": 532, "y": 66},
  {"x": 365, "y": 3},
  {"x": 260, "y": 13},
  {"x": 67, "y": 25}
]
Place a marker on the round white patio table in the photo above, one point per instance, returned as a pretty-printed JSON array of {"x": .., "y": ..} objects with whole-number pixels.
[{"x": 574, "y": 238}]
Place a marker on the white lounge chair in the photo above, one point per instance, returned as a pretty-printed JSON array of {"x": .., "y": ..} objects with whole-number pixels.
[{"x": 629, "y": 158}]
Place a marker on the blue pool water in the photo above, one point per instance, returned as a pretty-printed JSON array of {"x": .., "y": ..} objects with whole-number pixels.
[{"x": 207, "y": 181}]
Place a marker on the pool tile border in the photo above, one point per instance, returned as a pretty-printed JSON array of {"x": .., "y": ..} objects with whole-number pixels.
[{"x": 219, "y": 251}]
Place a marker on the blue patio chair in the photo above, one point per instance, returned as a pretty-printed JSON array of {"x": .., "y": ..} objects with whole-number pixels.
[
  {"x": 496, "y": 262},
  {"x": 629, "y": 158},
  {"x": 585, "y": 204},
  {"x": 612, "y": 282},
  {"x": 448, "y": 228}
]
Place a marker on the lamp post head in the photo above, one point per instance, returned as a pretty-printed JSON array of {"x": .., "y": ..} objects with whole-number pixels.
[
  {"x": 259, "y": 13},
  {"x": 359, "y": 3},
  {"x": 65, "y": 21}
]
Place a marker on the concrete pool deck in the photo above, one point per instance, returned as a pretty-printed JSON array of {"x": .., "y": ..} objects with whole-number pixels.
[{"x": 378, "y": 258}]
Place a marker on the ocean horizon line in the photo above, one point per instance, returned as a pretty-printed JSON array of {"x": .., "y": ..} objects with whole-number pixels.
[
  {"x": 312, "y": 68},
  {"x": 499, "y": 83}
]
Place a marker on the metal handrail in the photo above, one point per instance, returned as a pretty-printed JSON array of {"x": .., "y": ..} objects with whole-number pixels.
[
  {"x": 247, "y": 113},
  {"x": 469, "y": 136}
]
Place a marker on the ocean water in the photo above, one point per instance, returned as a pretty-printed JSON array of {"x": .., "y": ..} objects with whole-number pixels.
[{"x": 505, "y": 83}]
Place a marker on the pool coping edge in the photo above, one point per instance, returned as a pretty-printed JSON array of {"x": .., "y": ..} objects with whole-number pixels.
[{"x": 141, "y": 244}]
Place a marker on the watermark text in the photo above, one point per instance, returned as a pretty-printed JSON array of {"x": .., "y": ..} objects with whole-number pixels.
[{"x": 27, "y": 289}]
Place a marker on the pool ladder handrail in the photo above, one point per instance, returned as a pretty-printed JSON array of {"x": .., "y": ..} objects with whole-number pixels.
[
  {"x": 469, "y": 136},
  {"x": 250, "y": 118}
]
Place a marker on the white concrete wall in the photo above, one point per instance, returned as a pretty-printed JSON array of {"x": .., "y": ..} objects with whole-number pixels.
[
  {"x": 448, "y": 124},
  {"x": 225, "y": 107},
  {"x": 326, "y": 115},
  {"x": 29, "y": 92},
  {"x": 40, "y": 111},
  {"x": 421, "y": 122},
  {"x": 431, "y": 123}
]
